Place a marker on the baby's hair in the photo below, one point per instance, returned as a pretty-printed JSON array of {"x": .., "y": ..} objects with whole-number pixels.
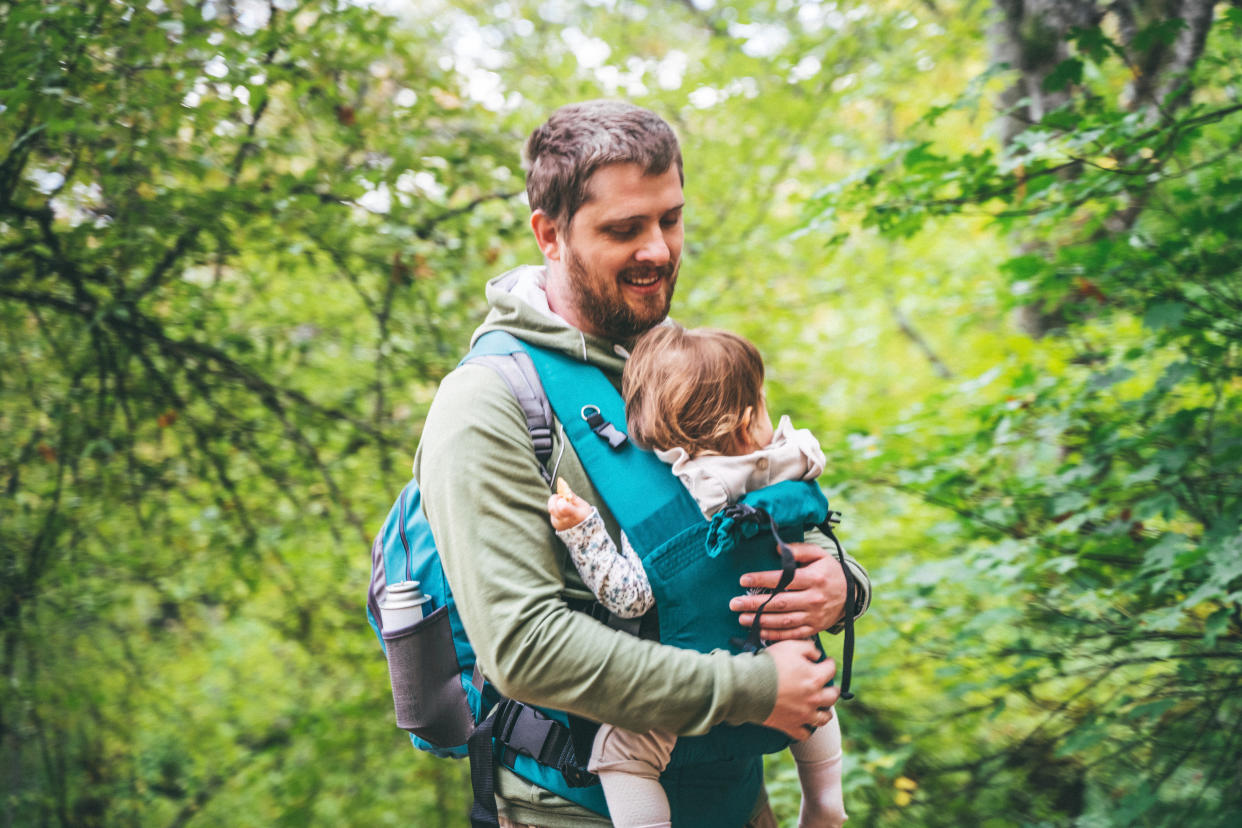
[{"x": 691, "y": 388}]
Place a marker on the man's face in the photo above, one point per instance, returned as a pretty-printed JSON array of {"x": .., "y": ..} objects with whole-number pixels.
[{"x": 618, "y": 259}]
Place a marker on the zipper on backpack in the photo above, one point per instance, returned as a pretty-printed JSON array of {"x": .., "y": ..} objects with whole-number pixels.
[{"x": 405, "y": 542}]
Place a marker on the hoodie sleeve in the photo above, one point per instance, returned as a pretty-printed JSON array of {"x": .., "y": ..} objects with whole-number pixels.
[{"x": 487, "y": 506}]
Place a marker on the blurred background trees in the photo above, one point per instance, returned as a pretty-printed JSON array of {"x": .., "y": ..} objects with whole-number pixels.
[{"x": 989, "y": 251}]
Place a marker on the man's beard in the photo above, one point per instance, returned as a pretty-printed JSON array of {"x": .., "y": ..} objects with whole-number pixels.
[{"x": 609, "y": 314}]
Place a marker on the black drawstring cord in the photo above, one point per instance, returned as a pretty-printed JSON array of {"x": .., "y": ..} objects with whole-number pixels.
[
  {"x": 851, "y": 603},
  {"x": 753, "y": 641},
  {"x": 789, "y": 566}
]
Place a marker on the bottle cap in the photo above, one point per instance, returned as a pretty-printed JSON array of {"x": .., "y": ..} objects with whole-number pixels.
[{"x": 404, "y": 594}]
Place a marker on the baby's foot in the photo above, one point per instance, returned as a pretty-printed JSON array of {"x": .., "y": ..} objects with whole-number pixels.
[{"x": 566, "y": 509}]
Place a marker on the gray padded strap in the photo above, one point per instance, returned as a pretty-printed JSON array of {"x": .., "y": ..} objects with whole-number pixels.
[{"x": 519, "y": 374}]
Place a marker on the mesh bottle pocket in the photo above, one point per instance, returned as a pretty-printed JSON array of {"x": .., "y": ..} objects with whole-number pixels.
[{"x": 427, "y": 691}]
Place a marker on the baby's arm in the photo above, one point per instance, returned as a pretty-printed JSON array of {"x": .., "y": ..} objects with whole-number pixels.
[{"x": 616, "y": 577}]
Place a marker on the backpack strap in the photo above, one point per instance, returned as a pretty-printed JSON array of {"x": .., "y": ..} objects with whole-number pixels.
[
  {"x": 501, "y": 352},
  {"x": 513, "y": 728},
  {"x": 483, "y": 811},
  {"x": 518, "y": 729}
]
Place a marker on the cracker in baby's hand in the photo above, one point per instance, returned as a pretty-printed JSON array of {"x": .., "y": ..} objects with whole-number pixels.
[{"x": 562, "y": 489}]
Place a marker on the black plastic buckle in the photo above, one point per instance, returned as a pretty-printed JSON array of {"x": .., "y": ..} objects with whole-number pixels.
[
  {"x": 745, "y": 513},
  {"x": 834, "y": 518},
  {"x": 526, "y": 731},
  {"x": 602, "y": 427},
  {"x": 579, "y": 777}
]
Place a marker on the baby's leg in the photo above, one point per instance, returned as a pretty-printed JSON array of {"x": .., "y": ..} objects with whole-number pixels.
[
  {"x": 629, "y": 766},
  {"x": 819, "y": 770}
]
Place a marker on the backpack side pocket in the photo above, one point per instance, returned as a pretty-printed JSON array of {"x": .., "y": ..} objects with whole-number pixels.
[{"x": 427, "y": 691}]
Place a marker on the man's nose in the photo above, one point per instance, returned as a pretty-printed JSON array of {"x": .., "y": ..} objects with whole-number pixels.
[{"x": 654, "y": 249}]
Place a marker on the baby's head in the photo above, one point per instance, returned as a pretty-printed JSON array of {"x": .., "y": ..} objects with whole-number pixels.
[{"x": 699, "y": 389}]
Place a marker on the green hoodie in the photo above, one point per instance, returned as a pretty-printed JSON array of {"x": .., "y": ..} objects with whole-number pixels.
[{"x": 487, "y": 506}]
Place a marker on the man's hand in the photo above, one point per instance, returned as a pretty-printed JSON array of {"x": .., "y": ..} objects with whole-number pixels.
[
  {"x": 802, "y": 700},
  {"x": 814, "y": 600}
]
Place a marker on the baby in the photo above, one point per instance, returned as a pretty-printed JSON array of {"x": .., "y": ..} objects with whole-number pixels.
[{"x": 696, "y": 398}]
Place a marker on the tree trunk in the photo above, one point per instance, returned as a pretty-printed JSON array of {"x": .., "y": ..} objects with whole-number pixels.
[{"x": 1031, "y": 36}]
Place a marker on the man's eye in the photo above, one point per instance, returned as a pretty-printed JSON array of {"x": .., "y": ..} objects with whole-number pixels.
[
  {"x": 670, "y": 221},
  {"x": 622, "y": 232}
]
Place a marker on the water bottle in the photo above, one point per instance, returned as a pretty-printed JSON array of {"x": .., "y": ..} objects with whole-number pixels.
[{"x": 404, "y": 604}]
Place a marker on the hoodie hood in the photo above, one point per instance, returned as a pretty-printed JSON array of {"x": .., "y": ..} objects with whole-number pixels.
[
  {"x": 716, "y": 480},
  {"x": 518, "y": 302}
]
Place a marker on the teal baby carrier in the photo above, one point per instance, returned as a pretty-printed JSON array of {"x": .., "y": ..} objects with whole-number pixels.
[{"x": 711, "y": 780}]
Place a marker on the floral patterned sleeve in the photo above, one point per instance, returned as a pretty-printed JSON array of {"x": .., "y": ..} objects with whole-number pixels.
[{"x": 615, "y": 576}]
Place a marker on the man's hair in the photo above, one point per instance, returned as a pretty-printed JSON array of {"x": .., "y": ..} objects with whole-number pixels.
[
  {"x": 561, "y": 156},
  {"x": 690, "y": 388}
]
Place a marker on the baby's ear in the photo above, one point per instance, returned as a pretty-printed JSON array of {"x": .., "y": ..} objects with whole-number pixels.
[{"x": 741, "y": 435}]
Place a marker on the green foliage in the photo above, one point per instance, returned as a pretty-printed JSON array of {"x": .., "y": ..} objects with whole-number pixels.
[
  {"x": 241, "y": 242},
  {"x": 1096, "y": 539},
  {"x": 216, "y": 335}
]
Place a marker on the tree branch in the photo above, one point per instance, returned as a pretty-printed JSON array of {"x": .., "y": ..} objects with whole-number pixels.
[{"x": 907, "y": 328}]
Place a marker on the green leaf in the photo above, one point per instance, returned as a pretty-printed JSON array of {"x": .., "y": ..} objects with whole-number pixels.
[
  {"x": 1162, "y": 504},
  {"x": 1165, "y": 619},
  {"x": 1069, "y": 502},
  {"x": 1172, "y": 460},
  {"x": 1161, "y": 33},
  {"x": 1166, "y": 559},
  {"x": 1215, "y": 626},
  {"x": 1165, "y": 315},
  {"x": 1176, "y": 373},
  {"x": 1086, "y": 735},
  {"x": 1109, "y": 378},
  {"x": 1144, "y": 475},
  {"x": 1064, "y": 74},
  {"x": 1025, "y": 267},
  {"x": 1134, "y": 805},
  {"x": 1092, "y": 42},
  {"x": 1151, "y": 710}
]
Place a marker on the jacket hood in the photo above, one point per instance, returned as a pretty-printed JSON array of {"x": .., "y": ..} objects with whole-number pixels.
[
  {"x": 716, "y": 480},
  {"x": 518, "y": 302}
]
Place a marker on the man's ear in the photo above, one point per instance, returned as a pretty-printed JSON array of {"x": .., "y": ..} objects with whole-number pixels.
[{"x": 547, "y": 235}]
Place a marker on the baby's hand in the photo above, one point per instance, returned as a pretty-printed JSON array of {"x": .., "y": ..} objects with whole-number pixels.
[{"x": 566, "y": 508}]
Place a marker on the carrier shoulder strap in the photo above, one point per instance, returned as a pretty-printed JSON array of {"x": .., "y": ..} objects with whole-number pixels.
[{"x": 640, "y": 490}]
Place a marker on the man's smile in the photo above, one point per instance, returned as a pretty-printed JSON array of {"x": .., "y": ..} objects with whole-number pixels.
[{"x": 645, "y": 277}]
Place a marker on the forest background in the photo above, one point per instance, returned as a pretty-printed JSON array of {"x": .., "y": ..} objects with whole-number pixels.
[{"x": 989, "y": 250}]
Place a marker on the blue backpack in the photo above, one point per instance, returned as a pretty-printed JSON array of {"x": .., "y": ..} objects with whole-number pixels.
[{"x": 448, "y": 706}]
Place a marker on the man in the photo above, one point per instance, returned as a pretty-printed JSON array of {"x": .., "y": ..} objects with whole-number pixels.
[{"x": 604, "y": 181}]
